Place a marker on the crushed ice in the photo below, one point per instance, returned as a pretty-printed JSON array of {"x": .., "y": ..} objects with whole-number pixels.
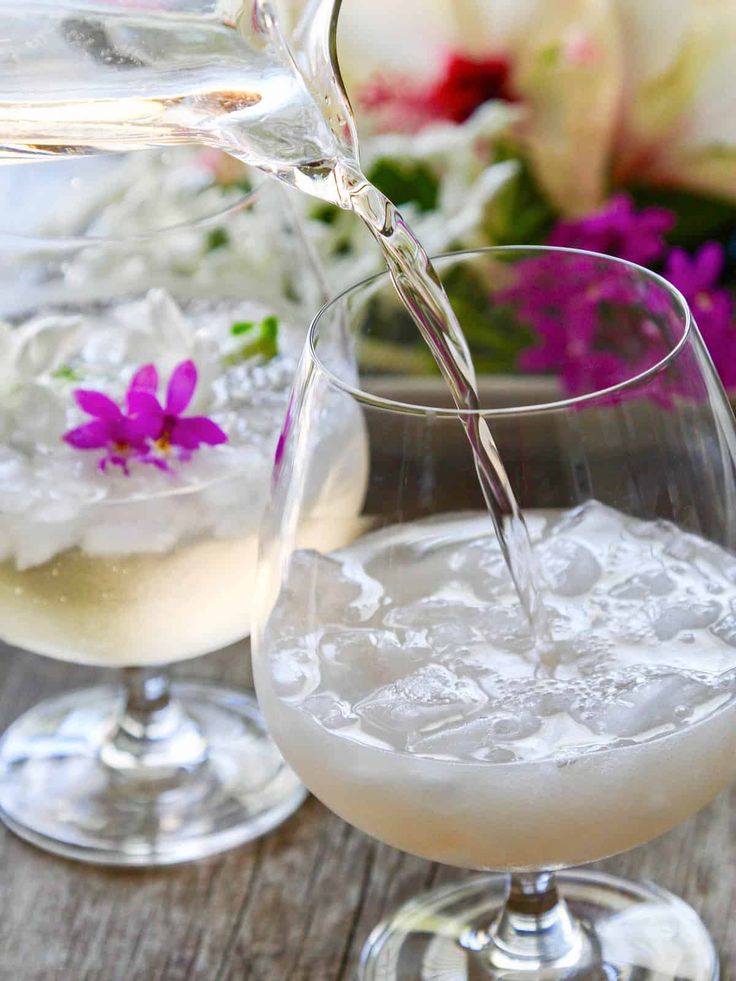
[{"x": 415, "y": 637}]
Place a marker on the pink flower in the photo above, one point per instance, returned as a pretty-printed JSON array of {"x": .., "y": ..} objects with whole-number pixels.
[
  {"x": 696, "y": 278},
  {"x": 597, "y": 324},
  {"x": 464, "y": 84},
  {"x": 120, "y": 436},
  {"x": 166, "y": 427},
  {"x": 148, "y": 432},
  {"x": 618, "y": 229}
]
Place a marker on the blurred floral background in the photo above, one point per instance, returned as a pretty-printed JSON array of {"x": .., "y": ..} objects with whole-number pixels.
[
  {"x": 600, "y": 124},
  {"x": 607, "y": 125}
]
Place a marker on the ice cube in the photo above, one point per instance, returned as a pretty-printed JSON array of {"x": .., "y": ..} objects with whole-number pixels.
[
  {"x": 679, "y": 544},
  {"x": 294, "y": 672},
  {"x": 331, "y": 712},
  {"x": 16, "y": 482},
  {"x": 585, "y": 650},
  {"x": 668, "y": 619},
  {"x": 637, "y": 703},
  {"x": 428, "y": 613},
  {"x": 453, "y": 624},
  {"x": 40, "y": 416},
  {"x": 359, "y": 660},
  {"x": 328, "y": 590},
  {"x": 481, "y": 565},
  {"x": 477, "y": 740},
  {"x": 426, "y": 699},
  {"x": 725, "y": 629},
  {"x": 648, "y": 582},
  {"x": 538, "y": 696},
  {"x": 570, "y": 569},
  {"x": 505, "y": 627},
  {"x": 429, "y": 571},
  {"x": 587, "y": 521},
  {"x": 452, "y": 635},
  {"x": 484, "y": 662}
]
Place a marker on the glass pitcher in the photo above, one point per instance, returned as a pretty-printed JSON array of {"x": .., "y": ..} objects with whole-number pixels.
[{"x": 241, "y": 75}]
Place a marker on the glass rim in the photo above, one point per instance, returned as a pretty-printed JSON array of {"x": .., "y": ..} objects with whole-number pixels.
[
  {"x": 62, "y": 241},
  {"x": 381, "y": 402}
]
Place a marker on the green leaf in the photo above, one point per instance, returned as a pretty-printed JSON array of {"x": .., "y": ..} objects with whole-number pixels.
[
  {"x": 65, "y": 372},
  {"x": 216, "y": 239},
  {"x": 549, "y": 56},
  {"x": 242, "y": 327},
  {"x": 406, "y": 181},
  {"x": 264, "y": 347},
  {"x": 495, "y": 334},
  {"x": 270, "y": 327},
  {"x": 328, "y": 214},
  {"x": 519, "y": 213},
  {"x": 699, "y": 216}
]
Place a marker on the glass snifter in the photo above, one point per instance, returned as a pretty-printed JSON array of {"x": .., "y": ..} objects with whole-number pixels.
[
  {"x": 125, "y": 552},
  {"x": 402, "y": 680}
]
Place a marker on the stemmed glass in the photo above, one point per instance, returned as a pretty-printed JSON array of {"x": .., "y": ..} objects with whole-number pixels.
[
  {"x": 400, "y": 677},
  {"x": 143, "y": 382}
]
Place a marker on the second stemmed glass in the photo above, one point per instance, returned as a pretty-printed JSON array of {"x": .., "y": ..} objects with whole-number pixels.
[
  {"x": 143, "y": 380},
  {"x": 401, "y": 679}
]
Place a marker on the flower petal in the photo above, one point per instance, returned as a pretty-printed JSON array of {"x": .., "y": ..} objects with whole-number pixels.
[
  {"x": 181, "y": 387},
  {"x": 92, "y": 436},
  {"x": 146, "y": 378},
  {"x": 96, "y": 404},
  {"x": 191, "y": 433},
  {"x": 709, "y": 263},
  {"x": 147, "y": 416}
]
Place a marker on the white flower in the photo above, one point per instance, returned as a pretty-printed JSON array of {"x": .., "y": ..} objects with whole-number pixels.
[
  {"x": 42, "y": 345},
  {"x": 457, "y": 156},
  {"x": 641, "y": 89},
  {"x": 30, "y": 409}
]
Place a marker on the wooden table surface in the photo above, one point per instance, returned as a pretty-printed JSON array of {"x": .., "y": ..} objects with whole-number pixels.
[{"x": 294, "y": 906}]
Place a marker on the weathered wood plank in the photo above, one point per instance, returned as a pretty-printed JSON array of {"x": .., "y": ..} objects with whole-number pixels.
[{"x": 295, "y": 906}]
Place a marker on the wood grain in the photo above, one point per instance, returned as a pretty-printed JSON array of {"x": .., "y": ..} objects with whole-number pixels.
[{"x": 295, "y": 906}]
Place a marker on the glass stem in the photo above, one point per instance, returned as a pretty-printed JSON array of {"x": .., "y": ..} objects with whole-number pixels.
[
  {"x": 153, "y": 737},
  {"x": 535, "y": 930}
]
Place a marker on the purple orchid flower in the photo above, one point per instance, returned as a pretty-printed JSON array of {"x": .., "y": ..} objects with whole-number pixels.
[
  {"x": 149, "y": 432},
  {"x": 618, "y": 229},
  {"x": 165, "y": 426},
  {"x": 697, "y": 279},
  {"x": 596, "y": 325},
  {"x": 120, "y": 436}
]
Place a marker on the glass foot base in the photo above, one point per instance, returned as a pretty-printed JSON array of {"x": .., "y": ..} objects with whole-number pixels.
[
  {"x": 639, "y": 933},
  {"x": 56, "y": 792}
]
